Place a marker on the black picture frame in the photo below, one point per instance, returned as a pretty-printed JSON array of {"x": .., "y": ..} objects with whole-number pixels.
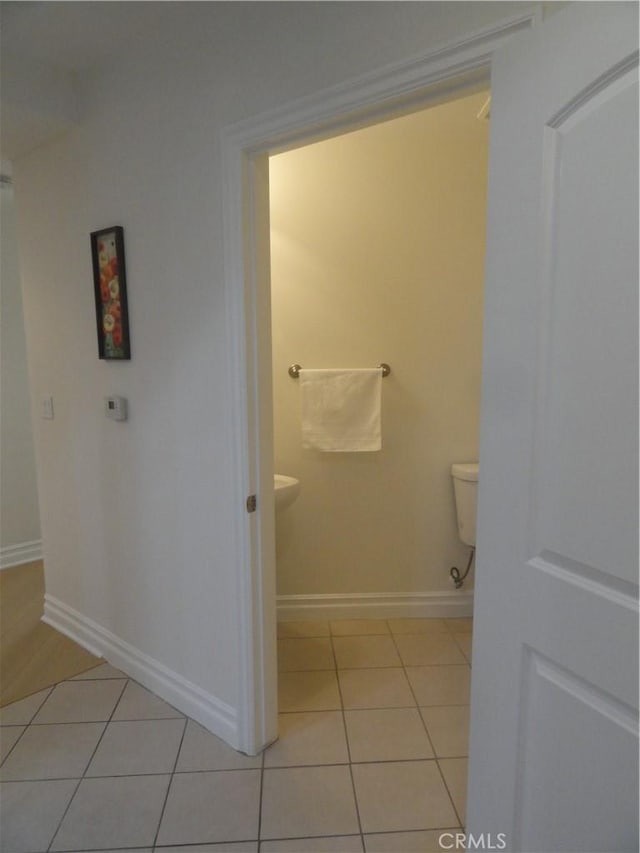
[{"x": 110, "y": 289}]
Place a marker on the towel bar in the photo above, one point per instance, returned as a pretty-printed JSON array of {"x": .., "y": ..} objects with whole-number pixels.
[{"x": 294, "y": 370}]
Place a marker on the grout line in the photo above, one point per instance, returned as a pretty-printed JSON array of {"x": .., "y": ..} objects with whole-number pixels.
[
  {"x": 99, "y": 849},
  {"x": 346, "y": 737},
  {"x": 171, "y": 778},
  {"x": 289, "y": 839},
  {"x": 18, "y": 739},
  {"x": 80, "y": 780},
  {"x": 435, "y": 756},
  {"x": 243, "y": 770},
  {"x": 264, "y": 752},
  {"x": 463, "y": 652},
  {"x": 350, "y": 762},
  {"x": 455, "y": 809},
  {"x": 49, "y": 688}
]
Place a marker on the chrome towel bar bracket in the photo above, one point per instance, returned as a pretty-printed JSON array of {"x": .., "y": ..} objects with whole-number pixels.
[{"x": 294, "y": 370}]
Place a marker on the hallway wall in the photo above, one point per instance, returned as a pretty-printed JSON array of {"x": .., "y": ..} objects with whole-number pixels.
[
  {"x": 19, "y": 513},
  {"x": 138, "y": 518},
  {"x": 377, "y": 255}
]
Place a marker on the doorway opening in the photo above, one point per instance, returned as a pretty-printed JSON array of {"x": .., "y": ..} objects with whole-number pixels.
[
  {"x": 377, "y": 255},
  {"x": 449, "y": 73},
  {"x": 377, "y": 250}
]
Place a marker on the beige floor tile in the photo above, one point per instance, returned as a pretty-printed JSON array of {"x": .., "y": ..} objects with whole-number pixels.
[
  {"x": 308, "y": 691},
  {"x": 202, "y": 750},
  {"x": 440, "y": 685},
  {"x": 137, "y": 746},
  {"x": 53, "y": 752},
  {"x": 454, "y": 771},
  {"x": 123, "y": 811},
  {"x": 303, "y": 629},
  {"x": 355, "y": 627},
  {"x": 375, "y": 688},
  {"x": 208, "y": 807},
  {"x": 31, "y": 812},
  {"x": 138, "y": 703},
  {"x": 80, "y": 702},
  {"x": 417, "y": 626},
  {"x": 334, "y": 844},
  {"x": 306, "y": 653},
  {"x": 448, "y": 727},
  {"x": 402, "y": 796},
  {"x": 460, "y": 626},
  {"x": 314, "y": 737},
  {"x": 464, "y": 644},
  {"x": 363, "y": 652},
  {"x": 298, "y": 802},
  {"x": 429, "y": 649},
  {"x": 104, "y": 670},
  {"x": 387, "y": 734},
  {"x": 427, "y": 841}
]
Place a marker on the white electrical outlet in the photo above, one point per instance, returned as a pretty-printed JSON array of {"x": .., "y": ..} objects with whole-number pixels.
[{"x": 47, "y": 408}]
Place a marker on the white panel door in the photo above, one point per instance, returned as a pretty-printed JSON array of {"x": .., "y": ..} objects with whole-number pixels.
[{"x": 554, "y": 733}]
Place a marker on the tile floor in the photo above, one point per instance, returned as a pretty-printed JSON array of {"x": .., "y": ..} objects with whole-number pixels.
[{"x": 371, "y": 755}]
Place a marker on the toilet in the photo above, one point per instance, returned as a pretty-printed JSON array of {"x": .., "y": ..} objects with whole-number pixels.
[{"x": 465, "y": 487}]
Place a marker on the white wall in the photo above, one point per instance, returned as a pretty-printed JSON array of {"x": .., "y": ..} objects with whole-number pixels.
[
  {"x": 19, "y": 514},
  {"x": 135, "y": 515},
  {"x": 377, "y": 254}
]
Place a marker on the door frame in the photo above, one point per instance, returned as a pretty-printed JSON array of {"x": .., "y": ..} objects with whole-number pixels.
[{"x": 436, "y": 76}]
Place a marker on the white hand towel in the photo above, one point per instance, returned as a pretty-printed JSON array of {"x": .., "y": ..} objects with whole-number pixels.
[{"x": 341, "y": 409}]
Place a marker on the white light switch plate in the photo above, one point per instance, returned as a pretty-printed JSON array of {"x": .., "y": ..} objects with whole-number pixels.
[
  {"x": 115, "y": 408},
  {"x": 47, "y": 408}
]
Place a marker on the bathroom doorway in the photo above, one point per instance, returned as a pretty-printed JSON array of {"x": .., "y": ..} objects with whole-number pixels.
[
  {"x": 377, "y": 250},
  {"x": 377, "y": 255},
  {"x": 457, "y": 70},
  {"x": 410, "y": 414}
]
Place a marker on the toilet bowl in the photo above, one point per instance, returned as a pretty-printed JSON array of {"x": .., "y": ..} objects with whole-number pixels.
[{"x": 465, "y": 487}]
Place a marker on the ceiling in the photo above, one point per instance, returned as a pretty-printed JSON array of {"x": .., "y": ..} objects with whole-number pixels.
[
  {"x": 45, "y": 46},
  {"x": 74, "y": 36}
]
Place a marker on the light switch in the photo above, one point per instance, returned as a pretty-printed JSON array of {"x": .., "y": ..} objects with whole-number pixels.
[{"x": 47, "y": 408}]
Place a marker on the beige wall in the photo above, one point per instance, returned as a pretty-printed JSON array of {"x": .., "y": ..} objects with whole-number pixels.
[
  {"x": 19, "y": 514},
  {"x": 377, "y": 255}
]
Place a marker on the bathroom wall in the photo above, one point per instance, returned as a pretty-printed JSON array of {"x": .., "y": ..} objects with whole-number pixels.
[
  {"x": 377, "y": 255},
  {"x": 19, "y": 515}
]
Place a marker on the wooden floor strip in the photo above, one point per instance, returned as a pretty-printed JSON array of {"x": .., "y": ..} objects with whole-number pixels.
[{"x": 32, "y": 655}]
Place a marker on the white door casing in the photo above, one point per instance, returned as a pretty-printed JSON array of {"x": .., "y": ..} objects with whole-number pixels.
[
  {"x": 440, "y": 74},
  {"x": 554, "y": 723}
]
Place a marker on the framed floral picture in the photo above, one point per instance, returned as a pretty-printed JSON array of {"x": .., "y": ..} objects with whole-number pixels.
[{"x": 110, "y": 284}]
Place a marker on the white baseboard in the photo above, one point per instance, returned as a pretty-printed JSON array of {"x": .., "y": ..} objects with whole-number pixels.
[
  {"x": 375, "y": 605},
  {"x": 24, "y": 552},
  {"x": 211, "y": 712}
]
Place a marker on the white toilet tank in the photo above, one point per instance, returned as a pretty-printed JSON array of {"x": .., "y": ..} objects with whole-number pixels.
[{"x": 465, "y": 487}]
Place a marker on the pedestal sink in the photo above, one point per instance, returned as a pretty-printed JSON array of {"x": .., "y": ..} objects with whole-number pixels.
[{"x": 286, "y": 490}]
